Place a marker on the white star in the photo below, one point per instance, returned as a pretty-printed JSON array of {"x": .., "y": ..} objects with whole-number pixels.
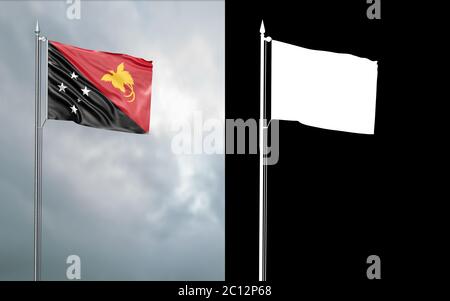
[
  {"x": 73, "y": 76},
  {"x": 86, "y": 91},
  {"x": 74, "y": 109},
  {"x": 79, "y": 100},
  {"x": 62, "y": 87}
]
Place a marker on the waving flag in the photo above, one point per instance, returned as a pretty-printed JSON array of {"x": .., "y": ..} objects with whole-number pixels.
[
  {"x": 99, "y": 89},
  {"x": 323, "y": 89}
]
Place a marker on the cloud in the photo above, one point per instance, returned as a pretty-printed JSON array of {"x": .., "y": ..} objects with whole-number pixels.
[{"x": 128, "y": 206}]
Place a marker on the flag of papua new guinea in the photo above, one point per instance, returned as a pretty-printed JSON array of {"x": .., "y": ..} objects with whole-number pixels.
[{"x": 99, "y": 89}]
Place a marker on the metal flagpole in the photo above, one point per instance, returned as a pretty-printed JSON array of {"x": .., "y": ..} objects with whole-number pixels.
[
  {"x": 262, "y": 164},
  {"x": 38, "y": 134}
]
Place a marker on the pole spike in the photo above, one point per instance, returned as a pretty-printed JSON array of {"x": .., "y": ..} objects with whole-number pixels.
[
  {"x": 37, "y": 30},
  {"x": 262, "y": 29}
]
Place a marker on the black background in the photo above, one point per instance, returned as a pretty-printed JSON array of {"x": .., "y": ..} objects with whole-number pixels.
[{"x": 333, "y": 198}]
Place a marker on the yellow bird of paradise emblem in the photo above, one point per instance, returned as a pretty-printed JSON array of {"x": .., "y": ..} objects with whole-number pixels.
[{"x": 121, "y": 79}]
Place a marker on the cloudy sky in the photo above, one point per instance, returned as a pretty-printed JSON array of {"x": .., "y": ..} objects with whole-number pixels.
[{"x": 125, "y": 203}]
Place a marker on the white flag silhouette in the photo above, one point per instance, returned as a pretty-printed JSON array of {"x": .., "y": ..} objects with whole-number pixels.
[{"x": 323, "y": 89}]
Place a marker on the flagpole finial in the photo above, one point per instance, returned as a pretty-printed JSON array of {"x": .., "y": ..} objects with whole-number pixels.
[
  {"x": 37, "y": 30},
  {"x": 262, "y": 29}
]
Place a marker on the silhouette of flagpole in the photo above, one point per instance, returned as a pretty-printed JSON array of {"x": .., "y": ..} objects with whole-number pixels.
[{"x": 262, "y": 160}]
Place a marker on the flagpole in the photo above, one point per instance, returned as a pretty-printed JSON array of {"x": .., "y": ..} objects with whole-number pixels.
[
  {"x": 38, "y": 135},
  {"x": 262, "y": 188}
]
